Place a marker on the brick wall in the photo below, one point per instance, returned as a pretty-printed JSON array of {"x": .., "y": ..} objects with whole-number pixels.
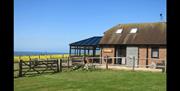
[
  {"x": 143, "y": 52},
  {"x": 142, "y": 55}
]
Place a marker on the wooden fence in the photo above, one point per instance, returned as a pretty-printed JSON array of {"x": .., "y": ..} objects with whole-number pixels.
[
  {"x": 97, "y": 61},
  {"x": 38, "y": 67},
  {"x": 55, "y": 65}
]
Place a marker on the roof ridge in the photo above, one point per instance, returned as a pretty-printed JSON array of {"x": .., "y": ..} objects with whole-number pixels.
[
  {"x": 140, "y": 23},
  {"x": 87, "y": 41},
  {"x": 149, "y": 33}
]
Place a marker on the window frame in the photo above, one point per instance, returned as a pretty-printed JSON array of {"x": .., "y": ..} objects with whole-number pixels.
[{"x": 154, "y": 49}]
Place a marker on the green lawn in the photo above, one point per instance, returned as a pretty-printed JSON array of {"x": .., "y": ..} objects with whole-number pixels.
[{"x": 101, "y": 80}]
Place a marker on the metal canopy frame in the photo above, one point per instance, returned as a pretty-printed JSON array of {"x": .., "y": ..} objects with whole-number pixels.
[
  {"x": 83, "y": 50},
  {"x": 85, "y": 47}
]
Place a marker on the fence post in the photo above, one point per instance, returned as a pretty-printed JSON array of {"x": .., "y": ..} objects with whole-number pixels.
[
  {"x": 165, "y": 66},
  {"x": 92, "y": 60},
  {"x": 57, "y": 61},
  {"x": 29, "y": 58},
  {"x": 133, "y": 62},
  {"x": 20, "y": 68},
  {"x": 68, "y": 62},
  {"x": 19, "y": 58},
  {"x": 84, "y": 60},
  {"x": 164, "y": 69},
  {"x": 106, "y": 62},
  {"x": 60, "y": 65},
  {"x": 100, "y": 60},
  {"x": 30, "y": 63}
]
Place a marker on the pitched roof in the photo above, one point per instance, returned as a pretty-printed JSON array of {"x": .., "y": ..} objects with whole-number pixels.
[
  {"x": 148, "y": 33},
  {"x": 92, "y": 41}
]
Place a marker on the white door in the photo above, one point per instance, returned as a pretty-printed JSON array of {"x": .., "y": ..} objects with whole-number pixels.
[{"x": 132, "y": 52}]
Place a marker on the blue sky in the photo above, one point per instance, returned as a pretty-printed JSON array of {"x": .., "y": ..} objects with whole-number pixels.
[{"x": 50, "y": 25}]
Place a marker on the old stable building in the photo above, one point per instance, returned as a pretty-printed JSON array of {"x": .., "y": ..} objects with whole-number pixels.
[{"x": 144, "y": 41}]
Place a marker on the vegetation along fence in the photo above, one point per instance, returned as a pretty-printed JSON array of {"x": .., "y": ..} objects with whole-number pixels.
[
  {"x": 38, "y": 66},
  {"x": 42, "y": 57},
  {"x": 131, "y": 63}
]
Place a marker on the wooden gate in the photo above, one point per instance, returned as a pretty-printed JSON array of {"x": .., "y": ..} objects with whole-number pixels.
[{"x": 38, "y": 67}]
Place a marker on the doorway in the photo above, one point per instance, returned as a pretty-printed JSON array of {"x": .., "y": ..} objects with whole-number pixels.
[{"x": 120, "y": 52}]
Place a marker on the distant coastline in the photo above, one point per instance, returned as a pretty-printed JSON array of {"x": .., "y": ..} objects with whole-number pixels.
[{"x": 30, "y": 53}]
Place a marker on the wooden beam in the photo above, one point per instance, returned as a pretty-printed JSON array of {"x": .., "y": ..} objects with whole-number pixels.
[
  {"x": 101, "y": 54},
  {"x": 88, "y": 51},
  {"x": 147, "y": 56},
  {"x": 84, "y": 51},
  {"x": 94, "y": 51},
  {"x": 79, "y": 51},
  {"x": 75, "y": 51},
  {"x": 70, "y": 51}
]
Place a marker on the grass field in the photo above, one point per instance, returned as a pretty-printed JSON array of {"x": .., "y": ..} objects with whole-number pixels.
[{"x": 100, "y": 80}]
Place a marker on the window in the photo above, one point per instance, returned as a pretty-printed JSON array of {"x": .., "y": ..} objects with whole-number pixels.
[
  {"x": 119, "y": 31},
  {"x": 154, "y": 52},
  {"x": 133, "y": 30}
]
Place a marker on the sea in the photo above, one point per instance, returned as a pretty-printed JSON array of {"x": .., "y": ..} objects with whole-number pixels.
[{"x": 30, "y": 53}]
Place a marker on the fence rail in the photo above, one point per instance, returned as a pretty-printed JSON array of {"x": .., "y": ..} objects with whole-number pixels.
[
  {"x": 39, "y": 66},
  {"x": 131, "y": 62}
]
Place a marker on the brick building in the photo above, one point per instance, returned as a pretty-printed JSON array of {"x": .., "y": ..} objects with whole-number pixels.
[{"x": 144, "y": 41}]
